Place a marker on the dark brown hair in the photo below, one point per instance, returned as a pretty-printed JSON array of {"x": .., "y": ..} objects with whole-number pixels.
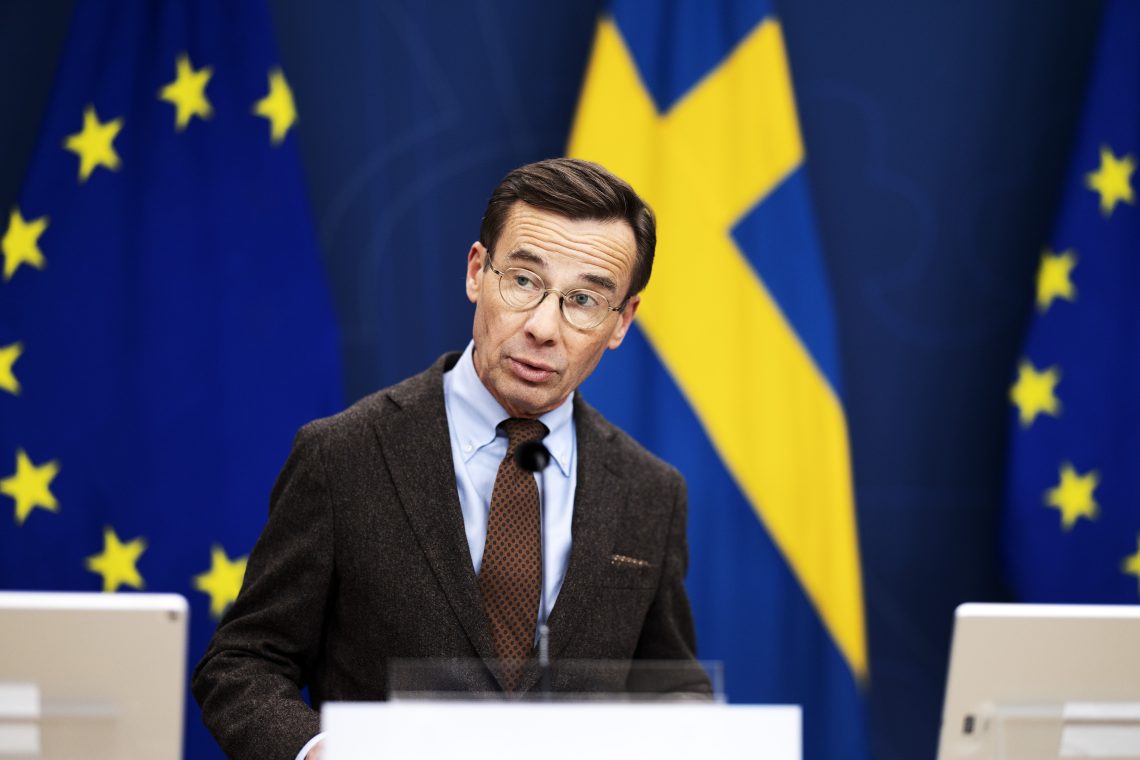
[{"x": 575, "y": 189}]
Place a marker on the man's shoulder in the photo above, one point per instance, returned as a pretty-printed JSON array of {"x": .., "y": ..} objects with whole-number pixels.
[
  {"x": 624, "y": 454},
  {"x": 422, "y": 393}
]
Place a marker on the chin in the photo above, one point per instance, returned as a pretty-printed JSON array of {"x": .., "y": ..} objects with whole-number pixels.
[
  {"x": 530, "y": 409},
  {"x": 531, "y": 406}
]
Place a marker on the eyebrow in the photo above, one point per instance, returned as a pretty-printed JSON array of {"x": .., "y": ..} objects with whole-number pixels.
[{"x": 522, "y": 255}]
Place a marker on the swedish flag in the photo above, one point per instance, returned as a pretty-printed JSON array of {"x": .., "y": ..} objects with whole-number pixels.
[
  {"x": 164, "y": 321},
  {"x": 1072, "y": 527},
  {"x": 735, "y": 359}
]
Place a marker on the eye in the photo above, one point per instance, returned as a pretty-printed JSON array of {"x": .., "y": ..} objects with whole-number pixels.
[
  {"x": 583, "y": 299},
  {"x": 523, "y": 280}
]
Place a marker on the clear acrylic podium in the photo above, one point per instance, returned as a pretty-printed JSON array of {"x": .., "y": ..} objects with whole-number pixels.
[
  {"x": 577, "y": 709},
  {"x": 563, "y": 680}
]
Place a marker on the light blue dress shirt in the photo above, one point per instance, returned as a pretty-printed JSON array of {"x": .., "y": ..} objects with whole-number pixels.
[{"x": 477, "y": 449}]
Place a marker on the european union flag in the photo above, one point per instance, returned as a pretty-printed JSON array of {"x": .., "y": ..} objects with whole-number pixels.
[
  {"x": 734, "y": 354},
  {"x": 164, "y": 320},
  {"x": 1072, "y": 529}
]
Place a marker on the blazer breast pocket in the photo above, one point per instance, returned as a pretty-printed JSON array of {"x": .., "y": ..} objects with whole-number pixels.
[{"x": 628, "y": 571}]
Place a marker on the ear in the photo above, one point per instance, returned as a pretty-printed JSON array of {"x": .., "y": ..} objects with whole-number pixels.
[
  {"x": 625, "y": 319},
  {"x": 475, "y": 258}
]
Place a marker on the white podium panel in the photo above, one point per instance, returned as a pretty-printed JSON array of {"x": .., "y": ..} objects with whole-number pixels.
[{"x": 559, "y": 731}]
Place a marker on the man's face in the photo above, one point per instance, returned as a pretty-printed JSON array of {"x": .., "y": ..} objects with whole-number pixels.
[{"x": 531, "y": 361}]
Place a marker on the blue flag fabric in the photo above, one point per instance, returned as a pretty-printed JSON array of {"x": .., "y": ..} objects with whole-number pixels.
[
  {"x": 165, "y": 325},
  {"x": 1072, "y": 527}
]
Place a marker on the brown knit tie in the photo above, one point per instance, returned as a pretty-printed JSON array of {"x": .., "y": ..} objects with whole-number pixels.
[{"x": 510, "y": 575}]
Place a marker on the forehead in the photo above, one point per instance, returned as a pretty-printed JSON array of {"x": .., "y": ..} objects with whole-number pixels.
[{"x": 590, "y": 243}]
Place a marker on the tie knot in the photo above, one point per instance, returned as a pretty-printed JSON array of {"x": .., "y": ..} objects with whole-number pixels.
[{"x": 520, "y": 431}]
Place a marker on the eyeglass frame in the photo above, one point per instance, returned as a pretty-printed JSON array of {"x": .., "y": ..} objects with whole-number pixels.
[{"x": 561, "y": 296}]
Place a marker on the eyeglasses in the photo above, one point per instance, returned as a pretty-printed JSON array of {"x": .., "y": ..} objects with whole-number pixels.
[{"x": 522, "y": 289}]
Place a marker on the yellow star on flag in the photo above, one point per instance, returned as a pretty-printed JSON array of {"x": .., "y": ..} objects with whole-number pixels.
[
  {"x": 1074, "y": 495},
  {"x": 8, "y": 356},
  {"x": 1112, "y": 181},
  {"x": 277, "y": 107},
  {"x": 21, "y": 244},
  {"x": 94, "y": 143},
  {"x": 116, "y": 563},
  {"x": 222, "y": 581},
  {"x": 1033, "y": 393},
  {"x": 1131, "y": 565},
  {"x": 30, "y": 486},
  {"x": 1054, "y": 278},
  {"x": 188, "y": 92}
]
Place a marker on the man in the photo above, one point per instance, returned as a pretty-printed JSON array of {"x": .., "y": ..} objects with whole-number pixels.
[{"x": 404, "y": 527}]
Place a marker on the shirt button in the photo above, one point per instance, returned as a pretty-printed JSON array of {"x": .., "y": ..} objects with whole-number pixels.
[{"x": 467, "y": 448}]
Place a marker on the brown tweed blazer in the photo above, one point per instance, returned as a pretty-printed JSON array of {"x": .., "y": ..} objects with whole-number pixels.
[{"x": 364, "y": 559}]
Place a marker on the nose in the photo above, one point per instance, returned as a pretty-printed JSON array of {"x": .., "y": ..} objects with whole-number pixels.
[{"x": 544, "y": 320}]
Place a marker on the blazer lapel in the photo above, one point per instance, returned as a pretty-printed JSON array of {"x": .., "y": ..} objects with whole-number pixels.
[
  {"x": 417, "y": 448},
  {"x": 599, "y": 492}
]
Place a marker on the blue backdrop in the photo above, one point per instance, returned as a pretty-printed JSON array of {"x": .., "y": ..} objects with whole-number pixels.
[{"x": 937, "y": 134}]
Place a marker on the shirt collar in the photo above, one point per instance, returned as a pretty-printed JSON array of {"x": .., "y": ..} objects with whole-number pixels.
[{"x": 477, "y": 414}]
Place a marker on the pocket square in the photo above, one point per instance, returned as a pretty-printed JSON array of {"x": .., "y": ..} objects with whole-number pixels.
[{"x": 625, "y": 561}]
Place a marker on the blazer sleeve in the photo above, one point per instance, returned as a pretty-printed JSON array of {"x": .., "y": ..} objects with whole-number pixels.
[
  {"x": 249, "y": 682},
  {"x": 668, "y": 632}
]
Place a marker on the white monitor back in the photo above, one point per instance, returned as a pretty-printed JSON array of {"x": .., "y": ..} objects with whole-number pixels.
[
  {"x": 1043, "y": 681},
  {"x": 92, "y": 676}
]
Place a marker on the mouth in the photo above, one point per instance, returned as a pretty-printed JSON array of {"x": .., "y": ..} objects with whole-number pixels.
[{"x": 529, "y": 371}]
